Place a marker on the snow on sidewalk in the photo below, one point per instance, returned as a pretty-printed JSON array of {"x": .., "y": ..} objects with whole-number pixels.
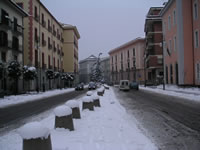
[
  {"x": 17, "y": 99},
  {"x": 108, "y": 127}
]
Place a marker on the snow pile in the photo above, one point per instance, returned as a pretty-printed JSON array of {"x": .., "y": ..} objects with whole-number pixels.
[
  {"x": 72, "y": 103},
  {"x": 34, "y": 130},
  {"x": 87, "y": 99},
  {"x": 89, "y": 93},
  {"x": 100, "y": 90},
  {"x": 13, "y": 100},
  {"x": 109, "y": 127},
  {"x": 95, "y": 96},
  {"x": 61, "y": 111}
]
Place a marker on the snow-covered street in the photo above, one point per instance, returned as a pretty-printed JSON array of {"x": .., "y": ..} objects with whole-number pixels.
[{"x": 107, "y": 127}]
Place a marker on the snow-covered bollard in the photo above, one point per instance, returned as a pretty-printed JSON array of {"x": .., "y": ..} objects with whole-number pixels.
[
  {"x": 100, "y": 92},
  {"x": 35, "y": 137},
  {"x": 89, "y": 93},
  {"x": 106, "y": 87},
  {"x": 88, "y": 103},
  {"x": 96, "y": 100},
  {"x": 63, "y": 117},
  {"x": 74, "y": 105}
]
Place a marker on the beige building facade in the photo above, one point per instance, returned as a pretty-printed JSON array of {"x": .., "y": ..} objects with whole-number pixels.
[
  {"x": 127, "y": 61},
  {"x": 44, "y": 45}
]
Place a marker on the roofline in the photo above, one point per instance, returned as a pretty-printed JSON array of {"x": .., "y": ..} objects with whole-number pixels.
[
  {"x": 71, "y": 27},
  {"x": 126, "y": 44},
  {"x": 168, "y": 4},
  {"x": 50, "y": 13},
  {"x": 86, "y": 59},
  {"x": 25, "y": 14}
]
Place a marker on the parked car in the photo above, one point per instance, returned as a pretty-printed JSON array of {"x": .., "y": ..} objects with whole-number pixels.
[
  {"x": 79, "y": 87},
  {"x": 124, "y": 85},
  {"x": 91, "y": 86},
  {"x": 134, "y": 85}
]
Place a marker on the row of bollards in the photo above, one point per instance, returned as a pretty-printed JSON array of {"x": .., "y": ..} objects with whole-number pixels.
[{"x": 37, "y": 137}]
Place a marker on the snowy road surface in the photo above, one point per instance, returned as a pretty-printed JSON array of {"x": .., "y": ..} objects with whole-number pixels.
[
  {"x": 167, "y": 119},
  {"x": 107, "y": 128}
]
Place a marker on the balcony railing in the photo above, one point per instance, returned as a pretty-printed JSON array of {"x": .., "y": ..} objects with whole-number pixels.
[
  {"x": 37, "y": 17},
  {"x": 49, "y": 46},
  {"x": 49, "y": 28},
  {"x": 18, "y": 29},
  {"x": 54, "y": 33},
  {"x": 43, "y": 23},
  {"x": 54, "y": 49},
  {"x": 6, "y": 22},
  {"x": 43, "y": 43}
]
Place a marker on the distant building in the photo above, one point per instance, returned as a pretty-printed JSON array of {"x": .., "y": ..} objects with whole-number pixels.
[
  {"x": 154, "y": 51},
  {"x": 127, "y": 61},
  {"x": 105, "y": 68},
  {"x": 11, "y": 39},
  {"x": 85, "y": 67},
  {"x": 181, "y": 20}
]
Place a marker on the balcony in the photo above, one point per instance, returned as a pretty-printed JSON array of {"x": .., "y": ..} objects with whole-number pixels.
[
  {"x": 37, "y": 39},
  {"x": 54, "y": 49},
  {"x": 37, "y": 17},
  {"x": 43, "y": 43},
  {"x": 58, "y": 51},
  {"x": 6, "y": 22},
  {"x": 49, "y": 46},
  {"x": 49, "y": 28},
  {"x": 54, "y": 32},
  {"x": 44, "y": 23},
  {"x": 58, "y": 36},
  {"x": 62, "y": 53},
  {"x": 18, "y": 29},
  {"x": 62, "y": 40}
]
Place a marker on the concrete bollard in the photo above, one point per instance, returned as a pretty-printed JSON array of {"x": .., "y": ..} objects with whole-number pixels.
[
  {"x": 74, "y": 105},
  {"x": 96, "y": 101},
  {"x": 89, "y": 93},
  {"x": 100, "y": 92},
  {"x": 63, "y": 117},
  {"x": 88, "y": 103},
  {"x": 35, "y": 137}
]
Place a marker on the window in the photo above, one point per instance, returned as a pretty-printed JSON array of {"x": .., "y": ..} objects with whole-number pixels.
[
  {"x": 4, "y": 17},
  {"x": 3, "y": 38},
  {"x": 43, "y": 59},
  {"x": 196, "y": 39},
  {"x": 36, "y": 15},
  {"x": 171, "y": 74},
  {"x": 195, "y": 10},
  {"x": 169, "y": 22},
  {"x": 170, "y": 46},
  {"x": 121, "y": 56},
  {"x": 198, "y": 71},
  {"x": 175, "y": 44},
  {"x": 15, "y": 57},
  {"x": 3, "y": 56},
  {"x": 128, "y": 53},
  {"x": 49, "y": 61},
  {"x": 133, "y": 51},
  {"x": 174, "y": 17},
  {"x": 15, "y": 43},
  {"x": 15, "y": 24},
  {"x": 36, "y": 35}
]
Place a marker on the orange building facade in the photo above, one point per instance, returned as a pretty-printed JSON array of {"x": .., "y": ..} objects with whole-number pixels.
[{"x": 181, "y": 27}]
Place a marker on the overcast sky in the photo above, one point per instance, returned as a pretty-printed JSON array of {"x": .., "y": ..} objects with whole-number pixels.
[{"x": 102, "y": 24}]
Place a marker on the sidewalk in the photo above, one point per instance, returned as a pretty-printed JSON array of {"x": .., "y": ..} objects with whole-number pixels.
[
  {"x": 173, "y": 90},
  {"x": 108, "y": 127}
]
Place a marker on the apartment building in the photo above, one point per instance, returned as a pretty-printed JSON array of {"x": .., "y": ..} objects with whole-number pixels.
[
  {"x": 154, "y": 51},
  {"x": 85, "y": 68},
  {"x": 70, "y": 47},
  {"x": 181, "y": 26},
  {"x": 127, "y": 61},
  {"x": 11, "y": 40},
  {"x": 44, "y": 45}
]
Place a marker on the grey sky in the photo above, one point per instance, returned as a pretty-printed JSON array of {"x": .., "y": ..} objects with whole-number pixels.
[{"x": 102, "y": 24}]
